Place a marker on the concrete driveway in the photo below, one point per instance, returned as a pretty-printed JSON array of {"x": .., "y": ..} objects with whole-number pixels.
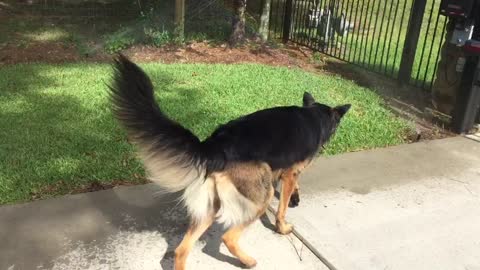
[
  {"x": 128, "y": 228},
  {"x": 413, "y": 206}
]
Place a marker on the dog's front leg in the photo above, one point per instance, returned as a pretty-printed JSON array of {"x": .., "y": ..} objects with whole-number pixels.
[{"x": 289, "y": 183}]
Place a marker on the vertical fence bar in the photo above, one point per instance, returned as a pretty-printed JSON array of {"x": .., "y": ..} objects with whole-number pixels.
[
  {"x": 310, "y": 38},
  {"x": 301, "y": 22},
  {"x": 358, "y": 33},
  {"x": 345, "y": 9},
  {"x": 338, "y": 26},
  {"x": 310, "y": 9},
  {"x": 287, "y": 21},
  {"x": 322, "y": 40},
  {"x": 411, "y": 41},
  {"x": 271, "y": 22},
  {"x": 334, "y": 27},
  {"x": 439, "y": 50},
  {"x": 357, "y": 26},
  {"x": 348, "y": 45},
  {"x": 332, "y": 34},
  {"x": 304, "y": 22},
  {"x": 282, "y": 20},
  {"x": 398, "y": 38},
  {"x": 318, "y": 6},
  {"x": 374, "y": 31},
  {"x": 331, "y": 10},
  {"x": 296, "y": 11},
  {"x": 368, "y": 44},
  {"x": 363, "y": 35},
  {"x": 346, "y": 26},
  {"x": 381, "y": 29},
  {"x": 424, "y": 44},
  {"x": 293, "y": 24},
  {"x": 431, "y": 50},
  {"x": 278, "y": 19},
  {"x": 391, "y": 35},
  {"x": 279, "y": 13}
]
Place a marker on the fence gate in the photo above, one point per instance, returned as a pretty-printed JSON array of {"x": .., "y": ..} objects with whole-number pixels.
[{"x": 397, "y": 38}]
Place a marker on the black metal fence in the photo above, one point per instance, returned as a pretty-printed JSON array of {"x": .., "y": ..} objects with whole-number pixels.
[{"x": 397, "y": 38}]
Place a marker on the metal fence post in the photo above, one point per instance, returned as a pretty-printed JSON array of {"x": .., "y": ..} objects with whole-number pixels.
[
  {"x": 411, "y": 41},
  {"x": 467, "y": 103},
  {"x": 287, "y": 21},
  {"x": 468, "y": 97}
]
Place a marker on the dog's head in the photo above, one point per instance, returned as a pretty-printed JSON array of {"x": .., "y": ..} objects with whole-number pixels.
[{"x": 330, "y": 116}]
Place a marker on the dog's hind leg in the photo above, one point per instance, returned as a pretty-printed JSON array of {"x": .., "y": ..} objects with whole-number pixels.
[
  {"x": 230, "y": 238},
  {"x": 193, "y": 234}
]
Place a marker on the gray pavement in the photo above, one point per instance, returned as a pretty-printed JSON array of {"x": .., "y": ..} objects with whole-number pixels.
[
  {"x": 128, "y": 228},
  {"x": 413, "y": 206}
]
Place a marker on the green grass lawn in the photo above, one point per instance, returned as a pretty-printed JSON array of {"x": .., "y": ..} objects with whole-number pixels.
[{"x": 57, "y": 132}]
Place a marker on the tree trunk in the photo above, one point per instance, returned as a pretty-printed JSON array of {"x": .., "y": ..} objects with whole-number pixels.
[
  {"x": 238, "y": 22},
  {"x": 179, "y": 31},
  {"x": 265, "y": 20}
]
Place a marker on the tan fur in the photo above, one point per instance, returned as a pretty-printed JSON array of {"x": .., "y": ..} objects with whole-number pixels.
[
  {"x": 236, "y": 197},
  {"x": 192, "y": 235}
]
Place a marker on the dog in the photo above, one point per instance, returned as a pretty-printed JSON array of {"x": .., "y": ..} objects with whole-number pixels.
[{"x": 229, "y": 176}]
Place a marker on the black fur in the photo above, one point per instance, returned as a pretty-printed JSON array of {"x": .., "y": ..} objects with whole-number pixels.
[{"x": 280, "y": 136}]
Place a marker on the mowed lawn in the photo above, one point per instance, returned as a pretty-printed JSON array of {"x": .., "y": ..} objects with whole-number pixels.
[{"x": 57, "y": 132}]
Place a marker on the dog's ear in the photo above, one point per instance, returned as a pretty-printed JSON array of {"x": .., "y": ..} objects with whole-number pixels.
[
  {"x": 308, "y": 100},
  {"x": 341, "y": 110}
]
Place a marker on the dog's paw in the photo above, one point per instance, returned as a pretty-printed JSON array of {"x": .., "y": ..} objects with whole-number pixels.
[
  {"x": 294, "y": 200},
  {"x": 249, "y": 262},
  {"x": 284, "y": 228}
]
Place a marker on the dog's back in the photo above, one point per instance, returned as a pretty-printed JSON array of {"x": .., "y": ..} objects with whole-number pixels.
[{"x": 280, "y": 136}]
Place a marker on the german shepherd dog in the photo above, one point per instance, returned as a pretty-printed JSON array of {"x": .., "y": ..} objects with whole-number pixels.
[{"x": 228, "y": 177}]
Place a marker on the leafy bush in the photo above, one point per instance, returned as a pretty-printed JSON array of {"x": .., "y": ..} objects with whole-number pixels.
[
  {"x": 157, "y": 38},
  {"x": 119, "y": 40}
]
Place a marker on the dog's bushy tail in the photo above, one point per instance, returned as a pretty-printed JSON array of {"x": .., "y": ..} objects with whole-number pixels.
[{"x": 173, "y": 156}]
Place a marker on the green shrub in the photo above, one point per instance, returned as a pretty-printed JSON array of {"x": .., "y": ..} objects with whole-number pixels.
[
  {"x": 157, "y": 38},
  {"x": 119, "y": 40}
]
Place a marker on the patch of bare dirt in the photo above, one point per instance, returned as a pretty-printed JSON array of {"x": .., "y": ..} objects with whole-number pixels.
[
  {"x": 205, "y": 53},
  {"x": 425, "y": 131},
  {"x": 193, "y": 53}
]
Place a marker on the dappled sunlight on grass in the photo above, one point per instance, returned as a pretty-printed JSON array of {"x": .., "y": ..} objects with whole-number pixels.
[{"x": 59, "y": 128}]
